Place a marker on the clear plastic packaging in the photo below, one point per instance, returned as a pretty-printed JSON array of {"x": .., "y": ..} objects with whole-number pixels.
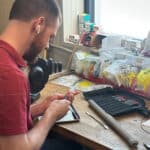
[
  {"x": 78, "y": 62},
  {"x": 121, "y": 72}
]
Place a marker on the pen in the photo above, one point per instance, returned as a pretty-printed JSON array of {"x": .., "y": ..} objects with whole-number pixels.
[
  {"x": 75, "y": 114},
  {"x": 101, "y": 123},
  {"x": 147, "y": 146}
]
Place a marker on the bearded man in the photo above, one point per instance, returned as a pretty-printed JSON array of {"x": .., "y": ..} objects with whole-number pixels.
[{"x": 32, "y": 23}]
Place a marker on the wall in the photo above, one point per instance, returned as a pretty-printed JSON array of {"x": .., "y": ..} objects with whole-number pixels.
[
  {"x": 5, "y": 6},
  {"x": 60, "y": 54},
  {"x": 70, "y": 10}
]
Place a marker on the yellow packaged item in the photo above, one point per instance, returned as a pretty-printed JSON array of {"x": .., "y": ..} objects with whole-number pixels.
[
  {"x": 143, "y": 80},
  {"x": 84, "y": 85}
]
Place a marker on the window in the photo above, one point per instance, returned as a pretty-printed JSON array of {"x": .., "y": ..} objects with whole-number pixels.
[
  {"x": 89, "y": 7},
  {"x": 127, "y": 17}
]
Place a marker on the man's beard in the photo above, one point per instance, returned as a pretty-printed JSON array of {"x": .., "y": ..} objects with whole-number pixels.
[{"x": 32, "y": 53}]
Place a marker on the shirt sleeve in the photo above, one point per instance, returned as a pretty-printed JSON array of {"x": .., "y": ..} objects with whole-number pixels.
[{"x": 13, "y": 103}]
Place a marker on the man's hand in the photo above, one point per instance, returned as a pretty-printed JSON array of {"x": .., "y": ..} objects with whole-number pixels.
[
  {"x": 57, "y": 108},
  {"x": 70, "y": 95},
  {"x": 57, "y": 96},
  {"x": 40, "y": 108}
]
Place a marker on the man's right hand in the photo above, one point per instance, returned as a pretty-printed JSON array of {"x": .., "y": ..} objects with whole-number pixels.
[{"x": 58, "y": 109}]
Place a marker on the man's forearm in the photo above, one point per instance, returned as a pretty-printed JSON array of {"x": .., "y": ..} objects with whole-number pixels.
[
  {"x": 32, "y": 140},
  {"x": 37, "y": 135},
  {"x": 38, "y": 108}
]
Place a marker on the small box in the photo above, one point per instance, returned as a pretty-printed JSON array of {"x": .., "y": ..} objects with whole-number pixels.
[
  {"x": 74, "y": 38},
  {"x": 89, "y": 26}
]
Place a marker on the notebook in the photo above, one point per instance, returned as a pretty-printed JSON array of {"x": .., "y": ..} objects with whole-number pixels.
[{"x": 71, "y": 116}]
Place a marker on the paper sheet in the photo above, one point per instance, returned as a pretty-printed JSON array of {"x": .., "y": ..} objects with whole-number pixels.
[
  {"x": 146, "y": 125},
  {"x": 68, "y": 117}
]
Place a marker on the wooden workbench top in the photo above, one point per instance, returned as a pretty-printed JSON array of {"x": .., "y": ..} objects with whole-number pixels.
[{"x": 92, "y": 134}]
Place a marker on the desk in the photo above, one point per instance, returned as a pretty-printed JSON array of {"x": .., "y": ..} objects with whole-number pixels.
[{"x": 89, "y": 133}]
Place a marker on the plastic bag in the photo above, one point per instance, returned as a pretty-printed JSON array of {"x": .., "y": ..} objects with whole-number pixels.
[
  {"x": 121, "y": 72},
  {"x": 143, "y": 81},
  {"x": 78, "y": 61}
]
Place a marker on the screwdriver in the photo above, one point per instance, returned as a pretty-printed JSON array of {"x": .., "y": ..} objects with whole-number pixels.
[{"x": 101, "y": 123}]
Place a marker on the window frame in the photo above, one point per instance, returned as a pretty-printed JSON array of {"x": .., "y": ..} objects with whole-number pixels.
[{"x": 89, "y": 7}]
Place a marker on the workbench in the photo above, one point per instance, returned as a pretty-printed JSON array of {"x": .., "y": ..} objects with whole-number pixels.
[{"x": 90, "y": 133}]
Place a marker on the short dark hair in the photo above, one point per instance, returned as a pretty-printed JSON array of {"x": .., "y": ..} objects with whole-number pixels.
[{"x": 26, "y": 10}]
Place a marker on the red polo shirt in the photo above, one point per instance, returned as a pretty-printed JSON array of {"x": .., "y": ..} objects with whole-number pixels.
[{"x": 15, "y": 116}]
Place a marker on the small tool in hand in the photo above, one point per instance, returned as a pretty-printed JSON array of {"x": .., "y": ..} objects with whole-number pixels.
[
  {"x": 101, "y": 123},
  {"x": 71, "y": 93},
  {"x": 147, "y": 146}
]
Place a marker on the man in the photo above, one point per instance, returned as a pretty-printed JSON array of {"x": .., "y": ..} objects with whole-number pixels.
[{"x": 32, "y": 23}]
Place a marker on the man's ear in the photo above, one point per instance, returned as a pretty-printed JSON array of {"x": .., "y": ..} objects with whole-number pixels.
[
  {"x": 38, "y": 29},
  {"x": 41, "y": 20},
  {"x": 38, "y": 25}
]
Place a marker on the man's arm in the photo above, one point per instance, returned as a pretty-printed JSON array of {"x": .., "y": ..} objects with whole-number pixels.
[
  {"x": 40, "y": 106},
  {"x": 34, "y": 139}
]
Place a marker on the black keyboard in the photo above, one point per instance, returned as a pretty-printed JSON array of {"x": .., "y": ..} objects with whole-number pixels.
[{"x": 115, "y": 102}]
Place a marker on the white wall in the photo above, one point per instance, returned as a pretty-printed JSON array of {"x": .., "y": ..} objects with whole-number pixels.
[
  {"x": 71, "y": 9},
  {"x": 5, "y": 6}
]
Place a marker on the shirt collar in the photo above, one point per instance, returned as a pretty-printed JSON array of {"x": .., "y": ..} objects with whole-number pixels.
[{"x": 13, "y": 53}]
